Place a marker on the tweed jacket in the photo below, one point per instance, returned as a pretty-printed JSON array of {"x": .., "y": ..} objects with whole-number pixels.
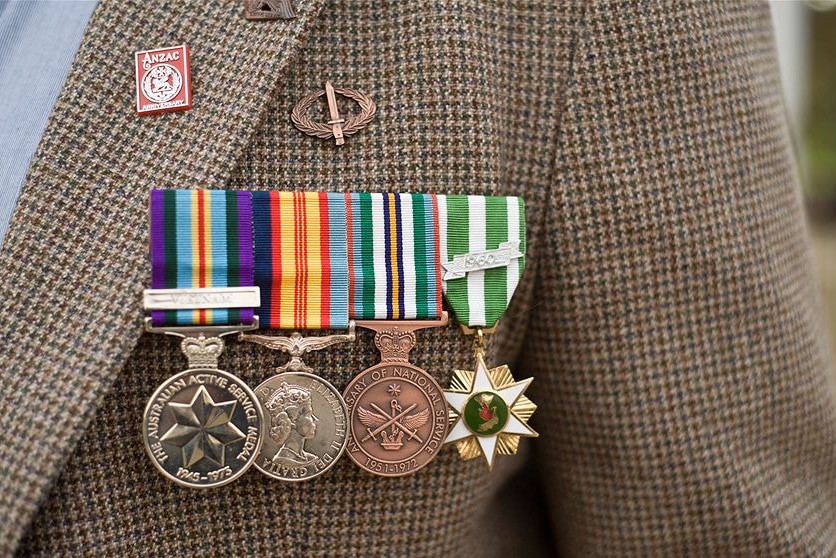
[{"x": 667, "y": 313}]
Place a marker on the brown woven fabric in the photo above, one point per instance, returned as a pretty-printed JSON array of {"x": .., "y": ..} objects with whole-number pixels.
[{"x": 667, "y": 312}]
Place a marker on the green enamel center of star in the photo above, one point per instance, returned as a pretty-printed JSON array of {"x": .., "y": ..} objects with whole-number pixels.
[{"x": 485, "y": 413}]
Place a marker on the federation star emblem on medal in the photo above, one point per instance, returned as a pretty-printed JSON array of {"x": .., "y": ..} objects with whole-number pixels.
[{"x": 488, "y": 412}]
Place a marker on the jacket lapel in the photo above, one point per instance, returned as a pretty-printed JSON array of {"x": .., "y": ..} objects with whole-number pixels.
[{"x": 74, "y": 261}]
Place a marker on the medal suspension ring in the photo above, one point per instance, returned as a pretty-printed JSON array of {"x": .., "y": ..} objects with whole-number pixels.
[{"x": 300, "y": 119}]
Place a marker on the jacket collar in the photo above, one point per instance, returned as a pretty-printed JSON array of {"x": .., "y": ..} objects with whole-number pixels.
[{"x": 74, "y": 261}]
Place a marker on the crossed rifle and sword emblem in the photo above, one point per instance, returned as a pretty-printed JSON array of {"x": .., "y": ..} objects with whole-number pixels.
[{"x": 398, "y": 422}]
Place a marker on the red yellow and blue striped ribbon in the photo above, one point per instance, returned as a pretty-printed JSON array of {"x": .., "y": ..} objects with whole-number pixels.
[
  {"x": 201, "y": 239},
  {"x": 301, "y": 264},
  {"x": 394, "y": 256}
]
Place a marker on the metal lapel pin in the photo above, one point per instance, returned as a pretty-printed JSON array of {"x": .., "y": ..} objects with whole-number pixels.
[{"x": 337, "y": 127}]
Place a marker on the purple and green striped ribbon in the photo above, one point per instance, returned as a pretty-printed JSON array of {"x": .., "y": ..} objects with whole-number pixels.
[
  {"x": 394, "y": 256},
  {"x": 475, "y": 224},
  {"x": 199, "y": 239}
]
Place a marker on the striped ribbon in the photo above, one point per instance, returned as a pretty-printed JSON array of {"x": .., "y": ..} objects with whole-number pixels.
[
  {"x": 301, "y": 264},
  {"x": 201, "y": 239},
  {"x": 476, "y": 224},
  {"x": 321, "y": 257},
  {"x": 394, "y": 256}
]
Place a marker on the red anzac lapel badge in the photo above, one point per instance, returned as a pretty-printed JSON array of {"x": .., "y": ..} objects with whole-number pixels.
[{"x": 163, "y": 80}]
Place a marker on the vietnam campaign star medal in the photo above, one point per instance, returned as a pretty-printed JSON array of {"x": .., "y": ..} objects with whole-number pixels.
[
  {"x": 483, "y": 240},
  {"x": 488, "y": 409}
]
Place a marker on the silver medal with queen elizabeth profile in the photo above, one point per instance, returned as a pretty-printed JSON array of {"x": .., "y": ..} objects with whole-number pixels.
[{"x": 306, "y": 427}]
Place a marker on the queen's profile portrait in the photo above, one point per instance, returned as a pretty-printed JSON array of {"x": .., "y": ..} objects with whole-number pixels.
[{"x": 293, "y": 423}]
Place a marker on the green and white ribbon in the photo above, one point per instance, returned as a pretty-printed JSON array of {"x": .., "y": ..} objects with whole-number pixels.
[{"x": 483, "y": 255}]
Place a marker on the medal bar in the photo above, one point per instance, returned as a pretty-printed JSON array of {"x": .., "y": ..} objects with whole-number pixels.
[{"x": 325, "y": 261}]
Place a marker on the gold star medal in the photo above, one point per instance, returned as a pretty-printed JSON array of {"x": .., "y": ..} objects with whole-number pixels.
[{"x": 483, "y": 250}]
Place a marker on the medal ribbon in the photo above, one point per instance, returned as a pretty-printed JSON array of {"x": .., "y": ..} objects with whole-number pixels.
[
  {"x": 394, "y": 256},
  {"x": 483, "y": 239},
  {"x": 301, "y": 264},
  {"x": 320, "y": 257},
  {"x": 200, "y": 239}
]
